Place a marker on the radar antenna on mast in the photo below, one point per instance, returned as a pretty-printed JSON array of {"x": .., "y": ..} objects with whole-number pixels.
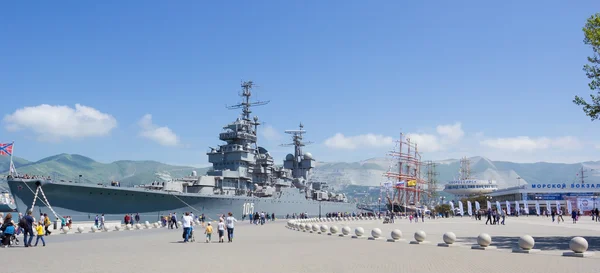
[
  {"x": 246, "y": 104},
  {"x": 298, "y": 144}
]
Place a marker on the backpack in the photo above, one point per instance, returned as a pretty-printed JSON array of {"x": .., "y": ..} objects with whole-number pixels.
[
  {"x": 9, "y": 230},
  {"x": 23, "y": 223}
]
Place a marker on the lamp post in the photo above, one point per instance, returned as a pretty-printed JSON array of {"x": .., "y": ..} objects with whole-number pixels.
[
  {"x": 80, "y": 178},
  {"x": 379, "y": 205},
  {"x": 319, "y": 209}
]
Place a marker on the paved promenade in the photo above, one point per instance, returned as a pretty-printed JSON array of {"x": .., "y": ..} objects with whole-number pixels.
[{"x": 274, "y": 248}]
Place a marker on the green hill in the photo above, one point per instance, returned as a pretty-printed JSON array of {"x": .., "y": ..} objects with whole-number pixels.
[{"x": 69, "y": 167}]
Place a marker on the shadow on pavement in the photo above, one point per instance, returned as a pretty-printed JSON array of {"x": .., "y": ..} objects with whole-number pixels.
[{"x": 543, "y": 243}]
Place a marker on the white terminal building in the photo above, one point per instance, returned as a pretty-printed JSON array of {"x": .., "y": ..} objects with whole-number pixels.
[{"x": 580, "y": 195}]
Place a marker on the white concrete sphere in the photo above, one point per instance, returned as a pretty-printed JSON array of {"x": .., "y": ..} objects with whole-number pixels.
[
  {"x": 396, "y": 234},
  {"x": 346, "y": 230},
  {"x": 80, "y": 229},
  {"x": 526, "y": 242},
  {"x": 289, "y": 223},
  {"x": 179, "y": 223},
  {"x": 420, "y": 236},
  {"x": 376, "y": 233},
  {"x": 308, "y": 227},
  {"x": 324, "y": 228},
  {"x": 333, "y": 229},
  {"x": 94, "y": 229},
  {"x": 117, "y": 227},
  {"x": 104, "y": 228},
  {"x": 578, "y": 244},
  {"x": 146, "y": 223},
  {"x": 138, "y": 226},
  {"x": 449, "y": 237},
  {"x": 302, "y": 225},
  {"x": 155, "y": 225},
  {"x": 359, "y": 231},
  {"x": 65, "y": 229},
  {"x": 128, "y": 227},
  {"x": 316, "y": 227},
  {"x": 484, "y": 239}
]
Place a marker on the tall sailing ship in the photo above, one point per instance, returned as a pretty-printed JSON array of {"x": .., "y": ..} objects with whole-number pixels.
[{"x": 243, "y": 179}]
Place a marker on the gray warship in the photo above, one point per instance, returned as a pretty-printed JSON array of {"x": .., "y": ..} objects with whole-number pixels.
[{"x": 243, "y": 179}]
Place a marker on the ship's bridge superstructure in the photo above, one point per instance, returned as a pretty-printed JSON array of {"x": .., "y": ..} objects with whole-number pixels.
[{"x": 241, "y": 167}]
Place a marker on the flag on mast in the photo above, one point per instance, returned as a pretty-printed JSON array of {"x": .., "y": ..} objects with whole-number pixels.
[{"x": 6, "y": 148}]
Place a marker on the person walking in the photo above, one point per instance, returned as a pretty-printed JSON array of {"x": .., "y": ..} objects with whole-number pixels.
[
  {"x": 489, "y": 217},
  {"x": 187, "y": 225},
  {"x": 229, "y": 223},
  {"x": 26, "y": 223},
  {"x": 208, "y": 232},
  {"x": 40, "y": 233},
  {"x": 221, "y": 230}
]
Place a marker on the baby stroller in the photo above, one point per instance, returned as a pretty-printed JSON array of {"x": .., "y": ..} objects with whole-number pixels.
[
  {"x": 387, "y": 220},
  {"x": 9, "y": 238}
]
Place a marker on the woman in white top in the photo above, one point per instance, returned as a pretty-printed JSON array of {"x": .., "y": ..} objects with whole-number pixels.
[{"x": 229, "y": 222}]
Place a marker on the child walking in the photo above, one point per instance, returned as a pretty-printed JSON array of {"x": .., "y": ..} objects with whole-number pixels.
[
  {"x": 221, "y": 229},
  {"x": 208, "y": 232},
  {"x": 40, "y": 233}
]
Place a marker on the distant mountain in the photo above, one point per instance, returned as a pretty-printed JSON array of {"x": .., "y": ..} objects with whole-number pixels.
[
  {"x": 68, "y": 167},
  {"x": 368, "y": 172}
]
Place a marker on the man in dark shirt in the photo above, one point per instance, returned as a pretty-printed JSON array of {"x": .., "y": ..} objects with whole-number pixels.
[{"x": 28, "y": 229}]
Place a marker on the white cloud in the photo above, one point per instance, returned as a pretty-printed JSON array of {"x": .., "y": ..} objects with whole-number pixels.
[
  {"x": 162, "y": 135},
  {"x": 528, "y": 144},
  {"x": 53, "y": 122},
  {"x": 269, "y": 133},
  {"x": 446, "y": 135},
  {"x": 339, "y": 141},
  {"x": 451, "y": 133},
  {"x": 426, "y": 142}
]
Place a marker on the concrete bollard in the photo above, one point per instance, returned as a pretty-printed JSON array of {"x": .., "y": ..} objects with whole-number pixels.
[
  {"x": 420, "y": 237},
  {"x": 396, "y": 235},
  {"x": 315, "y": 228},
  {"x": 117, "y": 227},
  {"x": 65, "y": 229},
  {"x": 80, "y": 229},
  {"x": 359, "y": 232},
  {"x": 324, "y": 228},
  {"x": 128, "y": 227},
  {"x": 484, "y": 241},
  {"x": 526, "y": 244},
  {"x": 375, "y": 234},
  {"x": 449, "y": 239},
  {"x": 138, "y": 226},
  {"x": 94, "y": 229},
  {"x": 333, "y": 230},
  {"x": 579, "y": 247},
  {"x": 345, "y": 231}
]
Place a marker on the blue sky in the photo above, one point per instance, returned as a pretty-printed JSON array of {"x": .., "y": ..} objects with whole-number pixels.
[{"x": 464, "y": 78}]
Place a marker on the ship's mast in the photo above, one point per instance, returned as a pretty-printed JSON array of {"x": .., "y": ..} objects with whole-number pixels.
[
  {"x": 298, "y": 144},
  {"x": 465, "y": 169},
  {"x": 246, "y": 93}
]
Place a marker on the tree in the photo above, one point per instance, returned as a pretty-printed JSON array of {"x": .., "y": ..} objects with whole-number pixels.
[{"x": 591, "y": 31}]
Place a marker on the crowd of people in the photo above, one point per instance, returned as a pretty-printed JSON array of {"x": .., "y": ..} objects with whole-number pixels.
[{"x": 27, "y": 225}]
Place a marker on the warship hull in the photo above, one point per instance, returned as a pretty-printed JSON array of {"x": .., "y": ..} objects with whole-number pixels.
[{"x": 83, "y": 202}]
